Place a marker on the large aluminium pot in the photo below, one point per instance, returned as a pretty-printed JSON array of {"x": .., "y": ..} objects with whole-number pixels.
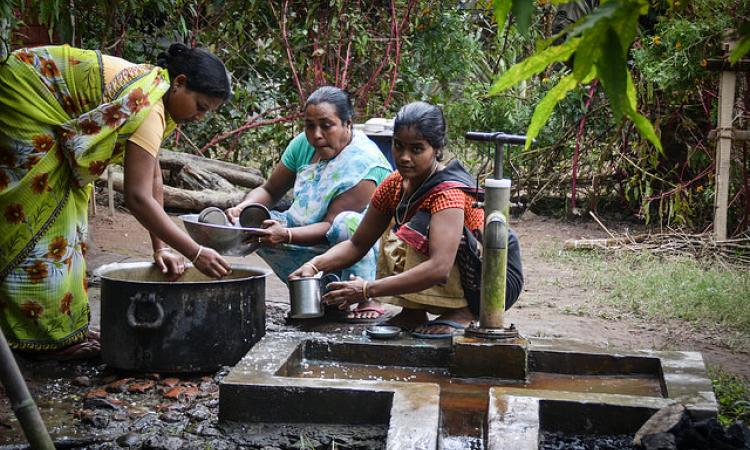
[{"x": 194, "y": 324}]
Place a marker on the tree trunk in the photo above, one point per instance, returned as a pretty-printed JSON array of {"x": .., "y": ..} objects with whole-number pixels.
[
  {"x": 238, "y": 175},
  {"x": 194, "y": 201}
]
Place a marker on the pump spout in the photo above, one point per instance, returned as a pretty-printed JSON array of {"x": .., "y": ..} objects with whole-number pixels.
[{"x": 495, "y": 257}]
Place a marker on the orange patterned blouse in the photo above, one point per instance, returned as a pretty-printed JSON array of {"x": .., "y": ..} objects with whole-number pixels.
[{"x": 389, "y": 193}]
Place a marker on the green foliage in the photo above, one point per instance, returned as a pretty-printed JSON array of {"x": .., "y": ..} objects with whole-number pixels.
[
  {"x": 604, "y": 37},
  {"x": 743, "y": 45},
  {"x": 733, "y": 394},
  {"x": 451, "y": 54},
  {"x": 670, "y": 57}
]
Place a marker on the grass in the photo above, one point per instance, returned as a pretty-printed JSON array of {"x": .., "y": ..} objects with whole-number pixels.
[
  {"x": 733, "y": 395},
  {"x": 655, "y": 287},
  {"x": 712, "y": 298}
]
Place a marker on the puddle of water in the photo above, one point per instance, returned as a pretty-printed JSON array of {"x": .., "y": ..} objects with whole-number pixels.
[{"x": 463, "y": 401}]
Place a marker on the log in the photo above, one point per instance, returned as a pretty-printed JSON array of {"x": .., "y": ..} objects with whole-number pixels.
[
  {"x": 238, "y": 175},
  {"x": 603, "y": 243},
  {"x": 195, "y": 178},
  {"x": 185, "y": 200}
]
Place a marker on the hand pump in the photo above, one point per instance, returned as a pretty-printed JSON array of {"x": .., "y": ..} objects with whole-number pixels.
[{"x": 495, "y": 242}]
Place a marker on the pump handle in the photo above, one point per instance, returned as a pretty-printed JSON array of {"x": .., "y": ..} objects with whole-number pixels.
[{"x": 497, "y": 136}]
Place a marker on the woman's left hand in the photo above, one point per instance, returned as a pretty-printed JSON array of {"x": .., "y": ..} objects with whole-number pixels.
[
  {"x": 274, "y": 233},
  {"x": 170, "y": 263},
  {"x": 345, "y": 293}
]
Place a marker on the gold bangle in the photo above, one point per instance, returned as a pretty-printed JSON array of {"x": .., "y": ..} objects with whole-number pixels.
[
  {"x": 289, "y": 235},
  {"x": 312, "y": 265},
  {"x": 364, "y": 291},
  {"x": 197, "y": 255}
]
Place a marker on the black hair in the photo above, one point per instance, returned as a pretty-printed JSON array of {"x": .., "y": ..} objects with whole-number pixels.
[
  {"x": 205, "y": 72},
  {"x": 428, "y": 120},
  {"x": 339, "y": 98}
]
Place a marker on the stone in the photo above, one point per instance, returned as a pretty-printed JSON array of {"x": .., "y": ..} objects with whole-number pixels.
[
  {"x": 94, "y": 419},
  {"x": 658, "y": 441},
  {"x": 171, "y": 417},
  {"x": 739, "y": 434},
  {"x": 163, "y": 443},
  {"x": 99, "y": 403},
  {"x": 670, "y": 419},
  {"x": 199, "y": 413},
  {"x": 128, "y": 440},
  {"x": 83, "y": 381}
]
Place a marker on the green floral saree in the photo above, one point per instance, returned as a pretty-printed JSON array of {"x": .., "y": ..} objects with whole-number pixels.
[{"x": 60, "y": 127}]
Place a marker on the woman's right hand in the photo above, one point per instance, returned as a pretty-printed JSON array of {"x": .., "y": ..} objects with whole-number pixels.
[
  {"x": 212, "y": 264},
  {"x": 233, "y": 214},
  {"x": 304, "y": 271}
]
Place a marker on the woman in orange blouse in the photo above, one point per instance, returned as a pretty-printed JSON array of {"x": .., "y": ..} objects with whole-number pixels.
[{"x": 425, "y": 215}]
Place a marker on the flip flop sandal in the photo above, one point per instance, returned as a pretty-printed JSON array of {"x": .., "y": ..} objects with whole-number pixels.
[
  {"x": 379, "y": 318},
  {"x": 451, "y": 323}
]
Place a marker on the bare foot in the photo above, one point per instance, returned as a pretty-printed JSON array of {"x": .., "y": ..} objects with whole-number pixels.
[
  {"x": 462, "y": 316},
  {"x": 408, "y": 319}
]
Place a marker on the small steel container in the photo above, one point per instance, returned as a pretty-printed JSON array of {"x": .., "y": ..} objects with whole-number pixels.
[
  {"x": 305, "y": 296},
  {"x": 213, "y": 215},
  {"x": 254, "y": 215}
]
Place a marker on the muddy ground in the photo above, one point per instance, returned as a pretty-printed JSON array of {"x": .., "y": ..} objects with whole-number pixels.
[{"x": 88, "y": 405}]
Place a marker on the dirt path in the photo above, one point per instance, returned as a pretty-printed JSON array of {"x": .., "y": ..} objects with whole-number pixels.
[{"x": 556, "y": 301}]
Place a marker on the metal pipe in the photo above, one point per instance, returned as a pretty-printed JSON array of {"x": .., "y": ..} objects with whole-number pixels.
[
  {"x": 21, "y": 401},
  {"x": 496, "y": 136},
  {"x": 494, "y": 253},
  {"x": 497, "y": 172}
]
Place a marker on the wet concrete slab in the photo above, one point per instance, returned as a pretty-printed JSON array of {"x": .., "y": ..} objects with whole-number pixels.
[{"x": 416, "y": 387}]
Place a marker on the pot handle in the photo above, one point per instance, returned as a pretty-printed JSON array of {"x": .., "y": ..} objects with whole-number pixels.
[
  {"x": 138, "y": 298},
  {"x": 325, "y": 279}
]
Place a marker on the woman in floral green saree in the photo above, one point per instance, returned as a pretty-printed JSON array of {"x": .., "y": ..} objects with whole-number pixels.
[{"x": 65, "y": 115}]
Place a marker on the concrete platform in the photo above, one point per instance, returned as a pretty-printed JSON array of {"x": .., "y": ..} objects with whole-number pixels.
[{"x": 351, "y": 379}]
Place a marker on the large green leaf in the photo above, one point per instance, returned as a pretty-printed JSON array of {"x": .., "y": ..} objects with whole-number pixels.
[
  {"x": 588, "y": 51},
  {"x": 742, "y": 47},
  {"x": 612, "y": 71},
  {"x": 544, "y": 109},
  {"x": 602, "y": 13},
  {"x": 533, "y": 65},
  {"x": 501, "y": 8},
  {"x": 625, "y": 20},
  {"x": 645, "y": 128},
  {"x": 522, "y": 10},
  {"x": 631, "y": 92}
]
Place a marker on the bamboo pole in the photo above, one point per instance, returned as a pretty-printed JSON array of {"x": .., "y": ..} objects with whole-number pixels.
[
  {"x": 21, "y": 401},
  {"x": 724, "y": 148}
]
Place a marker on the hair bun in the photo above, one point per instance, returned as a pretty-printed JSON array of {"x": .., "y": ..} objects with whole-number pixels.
[{"x": 177, "y": 48}]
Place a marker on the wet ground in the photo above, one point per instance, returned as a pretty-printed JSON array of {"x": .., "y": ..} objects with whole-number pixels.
[
  {"x": 87, "y": 405},
  {"x": 557, "y": 441}
]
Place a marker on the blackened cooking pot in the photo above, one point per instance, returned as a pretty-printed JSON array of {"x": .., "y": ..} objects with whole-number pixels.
[{"x": 194, "y": 324}]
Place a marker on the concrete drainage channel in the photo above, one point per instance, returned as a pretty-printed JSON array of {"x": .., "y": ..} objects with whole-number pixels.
[{"x": 413, "y": 387}]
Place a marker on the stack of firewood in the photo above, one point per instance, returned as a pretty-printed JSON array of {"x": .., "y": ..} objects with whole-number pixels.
[
  {"x": 192, "y": 183},
  {"x": 732, "y": 252}
]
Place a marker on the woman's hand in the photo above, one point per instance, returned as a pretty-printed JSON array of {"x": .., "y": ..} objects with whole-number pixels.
[
  {"x": 274, "y": 233},
  {"x": 210, "y": 263},
  {"x": 306, "y": 270},
  {"x": 233, "y": 214},
  {"x": 170, "y": 263},
  {"x": 345, "y": 293}
]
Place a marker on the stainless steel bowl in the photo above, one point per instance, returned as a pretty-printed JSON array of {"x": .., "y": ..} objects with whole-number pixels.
[
  {"x": 226, "y": 239},
  {"x": 383, "y": 331}
]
